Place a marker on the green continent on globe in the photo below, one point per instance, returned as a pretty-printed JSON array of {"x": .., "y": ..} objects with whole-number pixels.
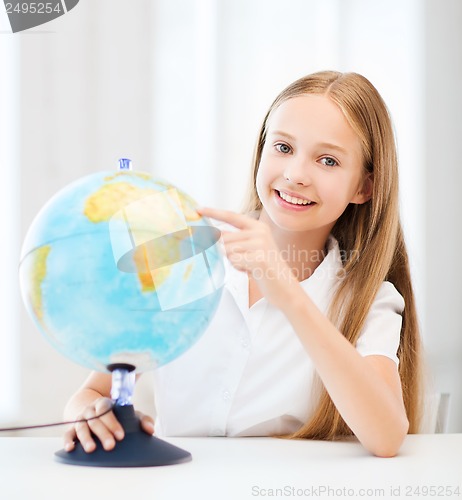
[
  {"x": 111, "y": 198},
  {"x": 38, "y": 274}
]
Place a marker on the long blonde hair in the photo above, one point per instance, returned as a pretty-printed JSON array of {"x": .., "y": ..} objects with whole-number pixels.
[{"x": 371, "y": 231}]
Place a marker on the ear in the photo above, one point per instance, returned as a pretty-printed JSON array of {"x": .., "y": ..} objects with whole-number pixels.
[{"x": 364, "y": 192}]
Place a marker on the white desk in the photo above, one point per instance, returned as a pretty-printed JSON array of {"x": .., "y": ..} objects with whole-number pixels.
[{"x": 240, "y": 469}]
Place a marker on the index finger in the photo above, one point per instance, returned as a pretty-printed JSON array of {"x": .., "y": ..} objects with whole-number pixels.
[{"x": 240, "y": 221}]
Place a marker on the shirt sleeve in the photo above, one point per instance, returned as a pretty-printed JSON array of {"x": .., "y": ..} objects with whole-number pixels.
[{"x": 382, "y": 328}]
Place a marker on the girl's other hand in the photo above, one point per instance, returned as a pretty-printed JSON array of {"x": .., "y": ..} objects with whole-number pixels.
[{"x": 106, "y": 428}]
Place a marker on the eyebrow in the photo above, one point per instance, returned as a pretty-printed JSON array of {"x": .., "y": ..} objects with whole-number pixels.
[
  {"x": 328, "y": 145},
  {"x": 285, "y": 134}
]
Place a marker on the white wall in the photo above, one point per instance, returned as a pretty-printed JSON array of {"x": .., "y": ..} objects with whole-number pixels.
[
  {"x": 443, "y": 207},
  {"x": 181, "y": 87}
]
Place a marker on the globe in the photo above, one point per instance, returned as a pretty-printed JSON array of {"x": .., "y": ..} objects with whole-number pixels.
[{"x": 119, "y": 268}]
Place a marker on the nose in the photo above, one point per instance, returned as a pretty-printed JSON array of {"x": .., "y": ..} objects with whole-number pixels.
[{"x": 298, "y": 172}]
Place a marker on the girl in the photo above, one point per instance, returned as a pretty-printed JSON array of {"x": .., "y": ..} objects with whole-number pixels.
[{"x": 316, "y": 335}]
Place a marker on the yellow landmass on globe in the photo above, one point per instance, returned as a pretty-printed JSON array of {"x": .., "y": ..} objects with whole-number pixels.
[
  {"x": 187, "y": 203},
  {"x": 140, "y": 257},
  {"x": 187, "y": 272},
  {"x": 112, "y": 198},
  {"x": 38, "y": 274}
]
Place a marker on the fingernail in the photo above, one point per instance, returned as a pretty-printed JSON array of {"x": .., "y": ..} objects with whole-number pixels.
[
  {"x": 88, "y": 447},
  {"x": 68, "y": 446},
  {"x": 119, "y": 435},
  {"x": 109, "y": 443},
  {"x": 150, "y": 427}
]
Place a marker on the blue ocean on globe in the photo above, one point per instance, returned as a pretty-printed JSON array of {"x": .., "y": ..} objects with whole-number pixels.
[{"x": 119, "y": 268}]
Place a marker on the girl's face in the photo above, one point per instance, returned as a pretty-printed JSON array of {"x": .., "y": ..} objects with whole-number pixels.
[{"x": 311, "y": 166}]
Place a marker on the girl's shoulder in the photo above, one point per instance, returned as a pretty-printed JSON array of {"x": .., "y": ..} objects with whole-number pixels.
[
  {"x": 381, "y": 332},
  {"x": 388, "y": 296}
]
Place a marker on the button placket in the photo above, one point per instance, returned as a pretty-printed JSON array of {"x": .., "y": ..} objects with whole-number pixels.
[{"x": 230, "y": 383}]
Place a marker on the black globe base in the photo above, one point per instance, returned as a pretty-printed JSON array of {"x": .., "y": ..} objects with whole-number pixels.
[{"x": 137, "y": 449}]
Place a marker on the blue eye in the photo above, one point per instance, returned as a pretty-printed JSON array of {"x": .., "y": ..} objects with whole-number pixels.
[
  {"x": 283, "y": 148},
  {"x": 329, "y": 162}
]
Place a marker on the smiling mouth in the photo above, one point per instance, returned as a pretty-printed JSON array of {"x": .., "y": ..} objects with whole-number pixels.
[{"x": 294, "y": 200}]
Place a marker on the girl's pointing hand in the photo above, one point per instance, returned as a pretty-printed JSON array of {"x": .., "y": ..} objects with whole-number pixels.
[{"x": 253, "y": 250}]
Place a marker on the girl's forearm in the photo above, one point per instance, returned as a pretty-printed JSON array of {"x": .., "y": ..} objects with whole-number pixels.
[{"x": 371, "y": 407}]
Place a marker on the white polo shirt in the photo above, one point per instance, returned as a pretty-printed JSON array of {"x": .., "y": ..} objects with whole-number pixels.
[{"x": 249, "y": 375}]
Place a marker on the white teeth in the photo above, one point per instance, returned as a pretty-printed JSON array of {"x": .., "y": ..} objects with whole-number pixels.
[{"x": 293, "y": 200}]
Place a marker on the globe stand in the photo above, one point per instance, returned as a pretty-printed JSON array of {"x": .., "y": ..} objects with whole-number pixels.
[{"x": 137, "y": 449}]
